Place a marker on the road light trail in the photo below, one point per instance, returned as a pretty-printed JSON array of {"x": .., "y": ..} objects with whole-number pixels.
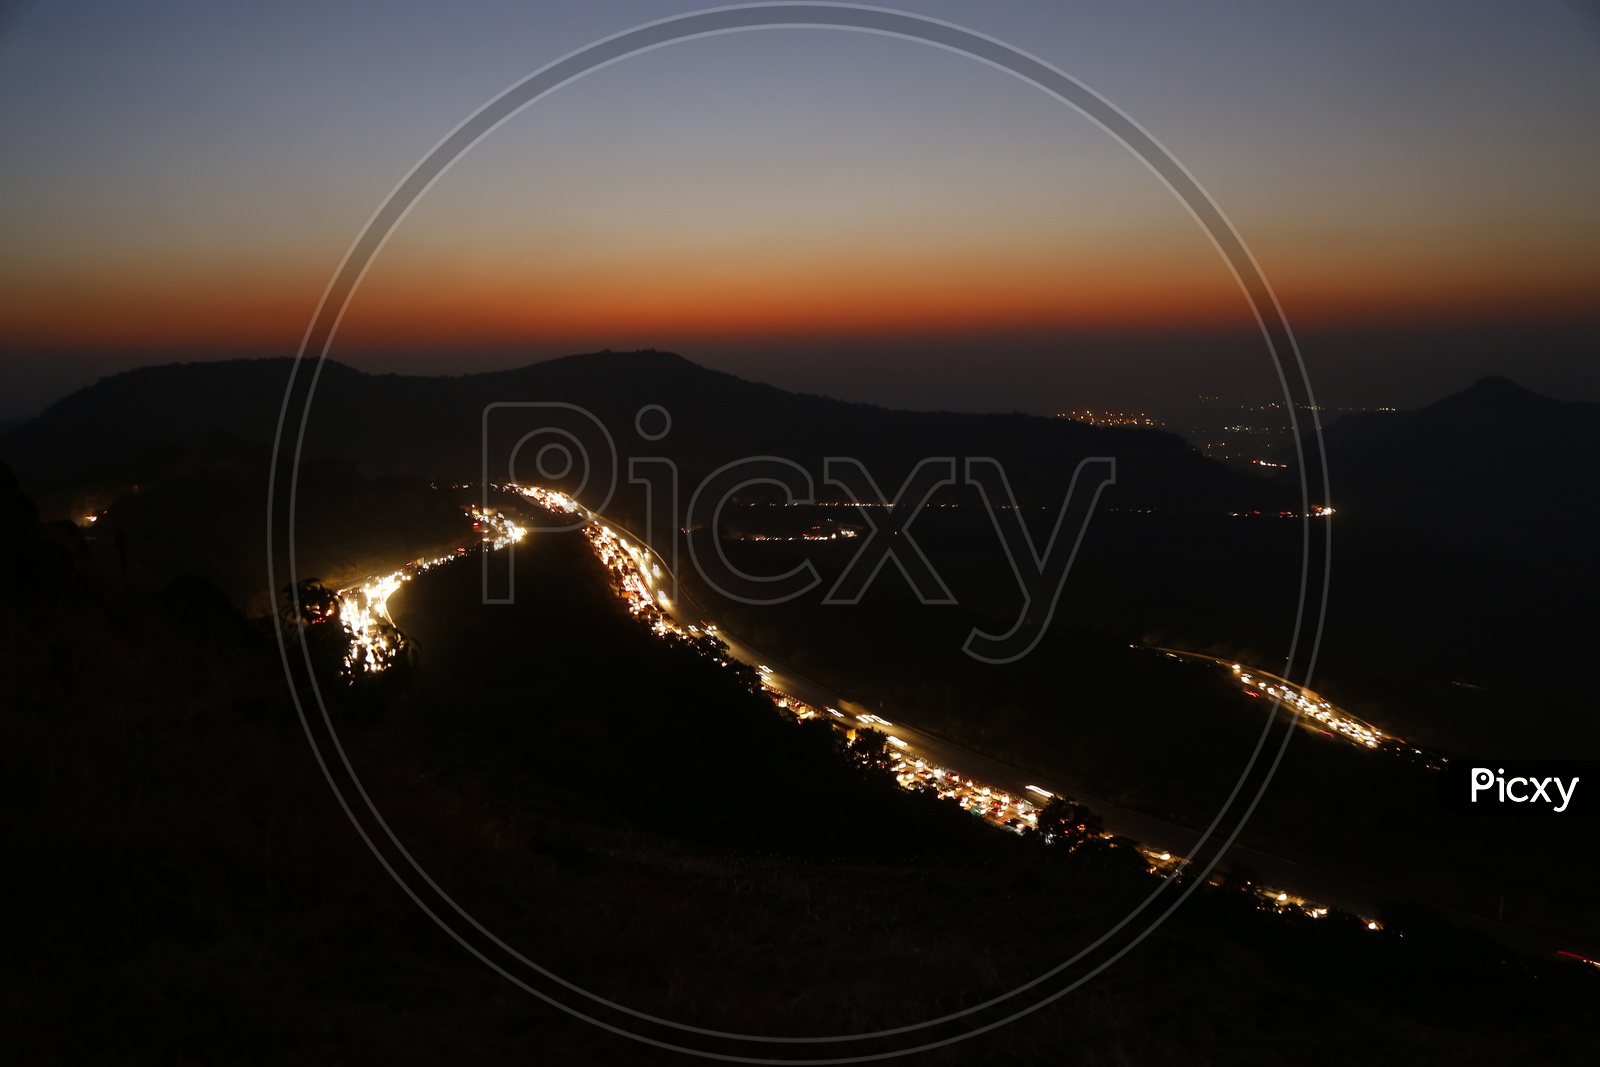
[
  {"x": 1313, "y": 712},
  {"x": 982, "y": 787},
  {"x": 374, "y": 641}
]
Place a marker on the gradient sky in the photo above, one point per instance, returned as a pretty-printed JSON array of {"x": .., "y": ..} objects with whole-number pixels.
[{"x": 830, "y": 211}]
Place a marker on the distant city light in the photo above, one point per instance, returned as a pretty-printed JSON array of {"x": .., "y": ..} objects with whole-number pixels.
[{"x": 1111, "y": 418}]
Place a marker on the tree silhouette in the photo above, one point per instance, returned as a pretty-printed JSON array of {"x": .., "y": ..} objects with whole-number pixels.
[
  {"x": 871, "y": 749},
  {"x": 316, "y": 603},
  {"x": 1066, "y": 823}
]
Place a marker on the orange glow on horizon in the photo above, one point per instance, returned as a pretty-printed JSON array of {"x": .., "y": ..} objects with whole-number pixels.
[{"x": 219, "y": 310}]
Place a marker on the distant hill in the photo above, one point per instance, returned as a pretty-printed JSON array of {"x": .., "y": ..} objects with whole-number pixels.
[
  {"x": 431, "y": 426},
  {"x": 1495, "y": 467}
]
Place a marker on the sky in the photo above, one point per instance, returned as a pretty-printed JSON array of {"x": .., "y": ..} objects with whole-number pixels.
[{"x": 836, "y": 212}]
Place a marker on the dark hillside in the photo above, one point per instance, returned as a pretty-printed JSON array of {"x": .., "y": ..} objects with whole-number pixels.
[
  {"x": 1495, "y": 467},
  {"x": 194, "y": 894},
  {"x": 432, "y": 427}
]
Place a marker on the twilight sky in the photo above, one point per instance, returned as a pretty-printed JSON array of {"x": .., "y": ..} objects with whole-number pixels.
[{"x": 829, "y": 211}]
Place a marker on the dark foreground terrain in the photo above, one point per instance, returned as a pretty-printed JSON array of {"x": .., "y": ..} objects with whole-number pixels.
[{"x": 187, "y": 890}]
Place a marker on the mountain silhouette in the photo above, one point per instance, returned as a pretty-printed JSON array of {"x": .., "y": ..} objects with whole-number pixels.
[
  {"x": 1495, "y": 467},
  {"x": 433, "y": 426}
]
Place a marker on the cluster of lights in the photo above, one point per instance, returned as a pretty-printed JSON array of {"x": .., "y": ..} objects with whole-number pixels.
[
  {"x": 549, "y": 499},
  {"x": 1309, "y": 703},
  {"x": 912, "y": 772},
  {"x": 1268, "y": 898},
  {"x": 1312, "y": 704},
  {"x": 829, "y": 504},
  {"x": 997, "y": 807},
  {"x": 636, "y": 573},
  {"x": 1320, "y": 511},
  {"x": 973, "y": 797},
  {"x": 629, "y": 562},
  {"x": 812, "y": 536},
  {"x": 374, "y": 643},
  {"x": 363, "y": 611},
  {"x": 1111, "y": 418}
]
